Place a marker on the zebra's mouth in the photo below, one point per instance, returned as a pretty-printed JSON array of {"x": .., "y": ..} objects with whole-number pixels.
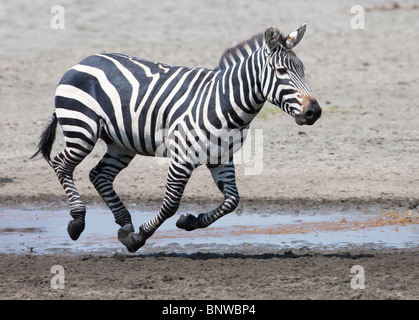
[{"x": 297, "y": 118}]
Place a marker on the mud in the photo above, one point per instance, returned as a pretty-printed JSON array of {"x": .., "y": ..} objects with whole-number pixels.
[{"x": 290, "y": 274}]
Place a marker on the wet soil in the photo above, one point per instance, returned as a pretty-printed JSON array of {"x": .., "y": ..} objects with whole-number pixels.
[{"x": 292, "y": 274}]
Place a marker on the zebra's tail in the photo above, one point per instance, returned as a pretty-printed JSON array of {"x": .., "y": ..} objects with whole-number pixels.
[{"x": 47, "y": 139}]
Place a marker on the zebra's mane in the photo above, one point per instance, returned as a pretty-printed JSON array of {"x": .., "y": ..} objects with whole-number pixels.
[{"x": 235, "y": 54}]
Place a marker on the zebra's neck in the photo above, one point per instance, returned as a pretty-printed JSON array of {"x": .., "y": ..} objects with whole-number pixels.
[{"x": 238, "y": 87}]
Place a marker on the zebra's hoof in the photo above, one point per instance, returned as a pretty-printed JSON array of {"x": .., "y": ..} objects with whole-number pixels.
[
  {"x": 75, "y": 228},
  {"x": 187, "y": 222},
  {"x": 129, "y": 238}
]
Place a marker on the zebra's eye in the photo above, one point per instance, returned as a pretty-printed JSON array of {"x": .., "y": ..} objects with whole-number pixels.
[{"x": 281, "y": 71}]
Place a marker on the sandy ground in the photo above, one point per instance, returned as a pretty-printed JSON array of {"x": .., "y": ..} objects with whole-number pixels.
[
  {"x": 362, "y": 153},
  {"x": 285, "y": 275}
]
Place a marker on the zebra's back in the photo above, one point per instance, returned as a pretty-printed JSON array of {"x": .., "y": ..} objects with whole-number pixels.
[{"x": 136, "y": 101}]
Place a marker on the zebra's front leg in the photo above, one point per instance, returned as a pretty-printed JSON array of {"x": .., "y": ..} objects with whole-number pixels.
[
  {"x": 177, "y": 179},
  {"x": 224, "y": 177}
]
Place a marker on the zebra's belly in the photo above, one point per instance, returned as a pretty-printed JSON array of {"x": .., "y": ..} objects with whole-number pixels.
[{"x": 196, "y": 146}]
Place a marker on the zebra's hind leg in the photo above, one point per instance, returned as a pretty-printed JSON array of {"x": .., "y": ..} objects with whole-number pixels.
[
  {"x": 102, "y": 177},
  {"x": 224, "y": 177},
  {"x": 64, "y": 164}
]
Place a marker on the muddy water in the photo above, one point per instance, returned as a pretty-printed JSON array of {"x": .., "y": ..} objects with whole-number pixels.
[{"x": 45, "y": 232}]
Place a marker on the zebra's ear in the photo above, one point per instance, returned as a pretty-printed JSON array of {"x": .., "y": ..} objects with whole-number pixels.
[
  {"x": 295, "y": 37},
  {"x": 272, "y": 36}
]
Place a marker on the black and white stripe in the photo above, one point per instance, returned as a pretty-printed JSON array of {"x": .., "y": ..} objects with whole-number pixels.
[{"x": 191, "y": 115}]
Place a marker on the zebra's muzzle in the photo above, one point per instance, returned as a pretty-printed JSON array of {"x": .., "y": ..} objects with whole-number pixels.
[{"x": 311, "y": 112}]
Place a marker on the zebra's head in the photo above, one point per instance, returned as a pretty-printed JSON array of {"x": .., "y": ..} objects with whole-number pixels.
[{"x": 283, "y": 82}]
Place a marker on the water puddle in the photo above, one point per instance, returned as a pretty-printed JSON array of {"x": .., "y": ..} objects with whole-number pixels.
[{"x": 45, "y": 232}]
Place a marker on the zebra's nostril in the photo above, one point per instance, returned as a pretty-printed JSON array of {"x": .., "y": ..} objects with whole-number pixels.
[{"x": 309, "y": 114}]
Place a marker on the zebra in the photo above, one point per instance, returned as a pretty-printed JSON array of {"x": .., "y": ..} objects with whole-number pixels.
[{"x": 137, "y": 106}]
